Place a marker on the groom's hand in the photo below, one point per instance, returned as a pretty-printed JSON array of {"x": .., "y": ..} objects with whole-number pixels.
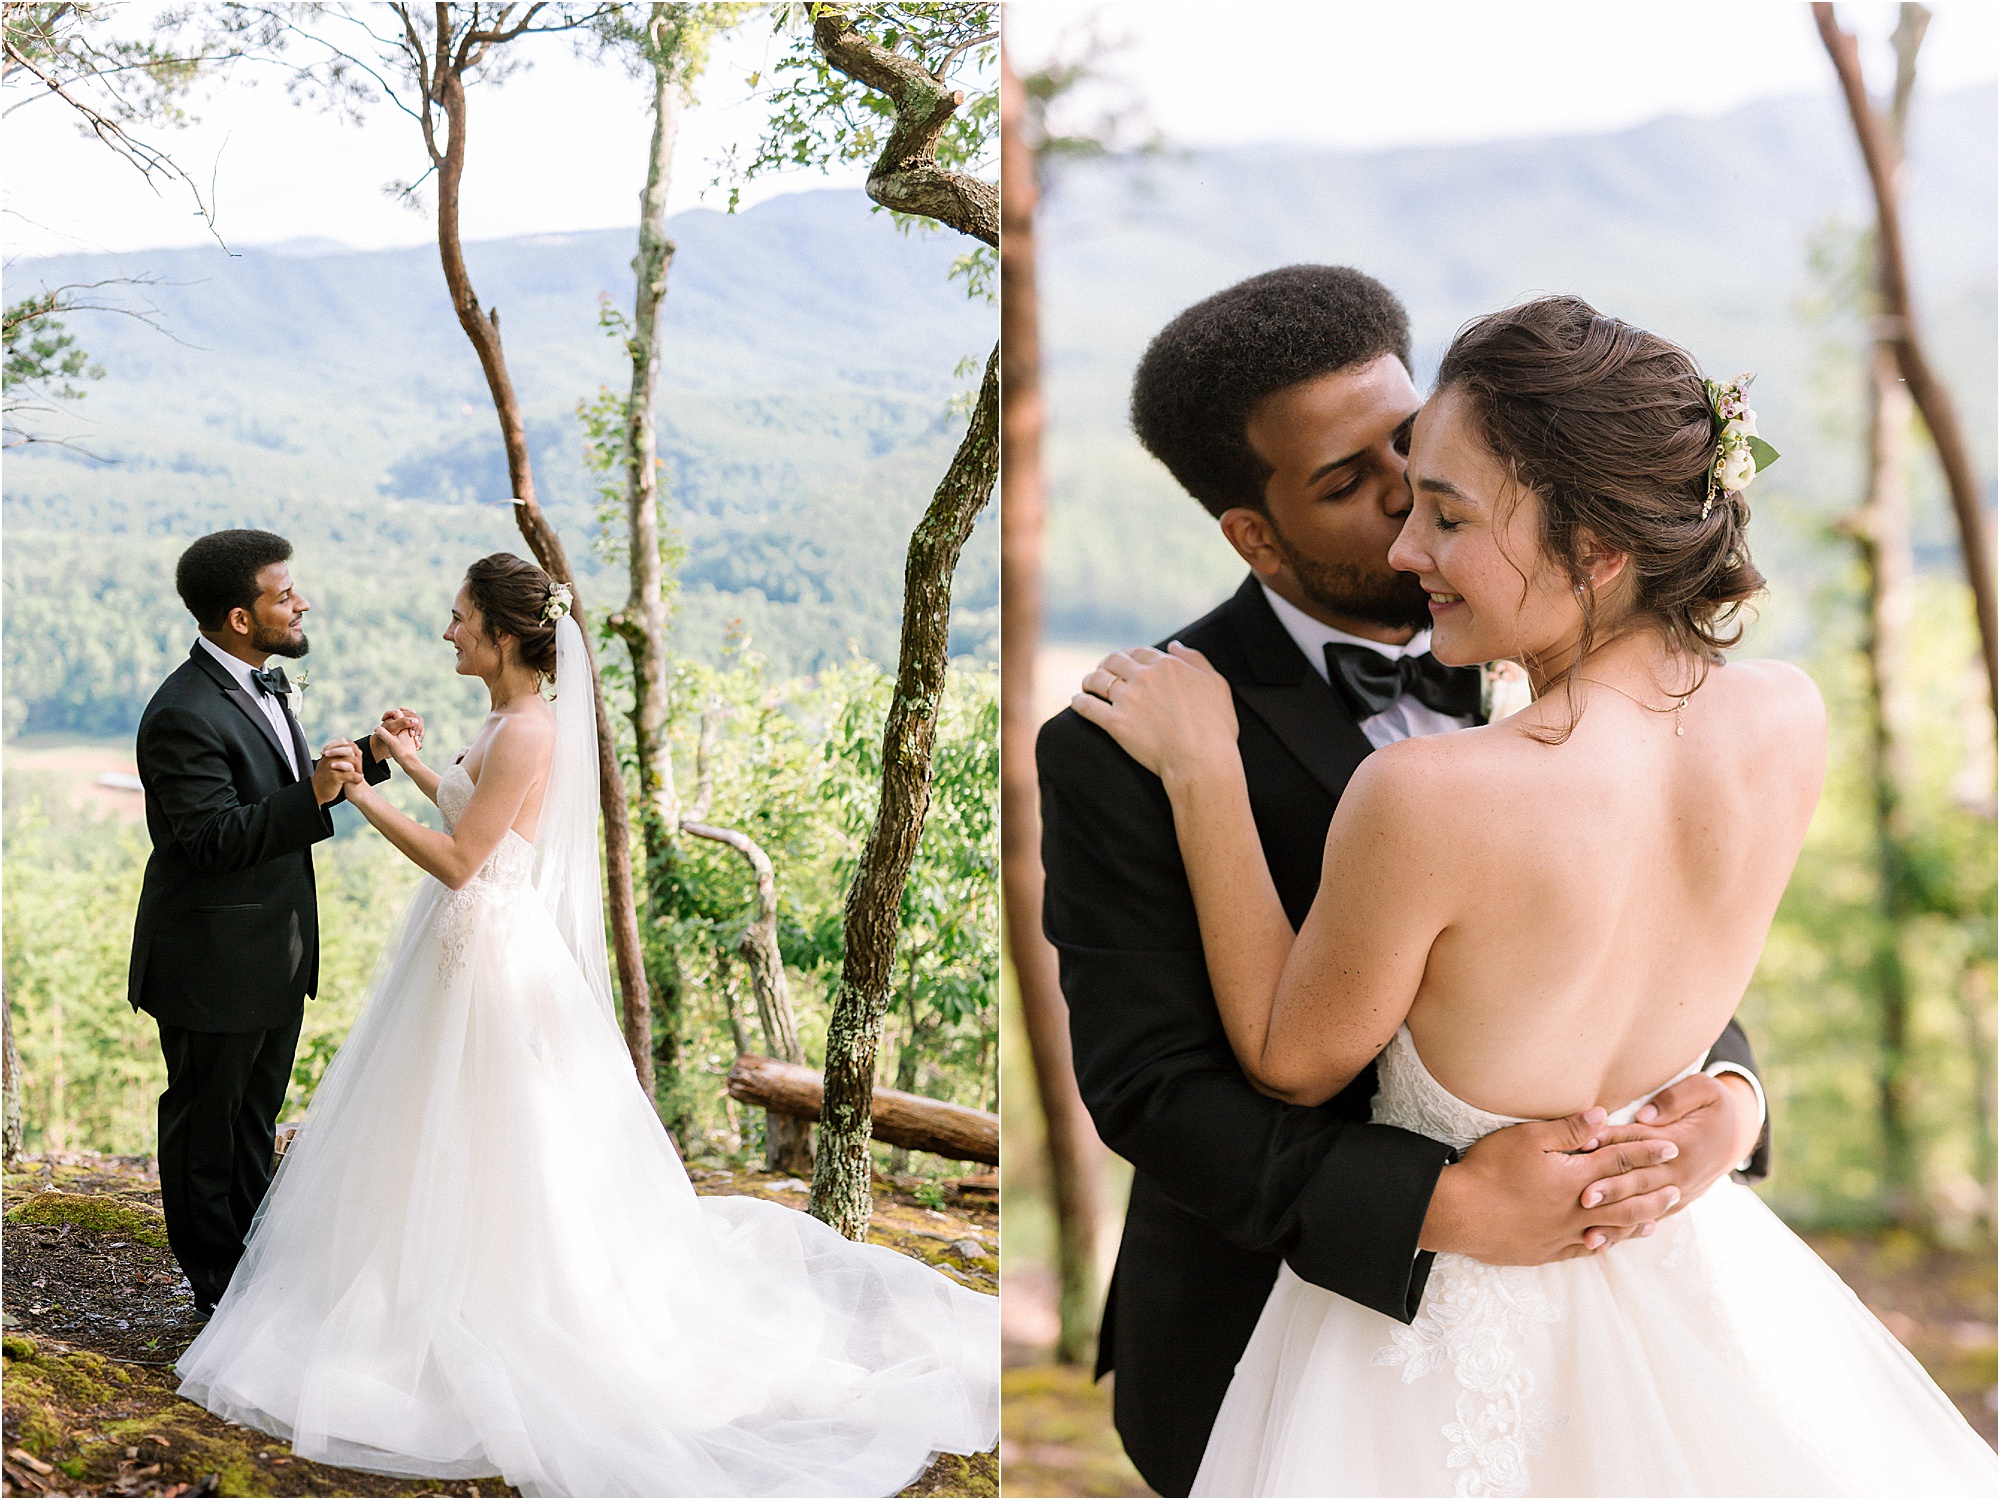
[
  {"x": 1713, "y": 1123},
  {"x": 1516, "y": 1197},
  {"x": 338, "y": 767}
]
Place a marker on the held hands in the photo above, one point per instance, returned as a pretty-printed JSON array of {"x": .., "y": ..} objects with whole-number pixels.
[
  {"x": 1169, "y": 710},
  {"x": 1556, "y": 1189},
  {"x": 338, "y": 768},
  {"x": 399, "y": 736}
]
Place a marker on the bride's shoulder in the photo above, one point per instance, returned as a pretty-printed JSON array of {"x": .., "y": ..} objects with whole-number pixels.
[
  {"x": 1428, "y": 776},
  {"x": 525, "y": 732},
  {"x": 1775, "y": 696}
]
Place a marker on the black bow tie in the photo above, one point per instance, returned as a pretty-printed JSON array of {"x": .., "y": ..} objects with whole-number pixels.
[
  {"x": 1370, "y": 681},
  {"x": 273, "y": 681}
]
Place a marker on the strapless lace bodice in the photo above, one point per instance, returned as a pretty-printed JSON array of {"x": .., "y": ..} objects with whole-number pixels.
[
  {"x": 513, "y": 863},
  {"x": 1408, "y": 1097}
]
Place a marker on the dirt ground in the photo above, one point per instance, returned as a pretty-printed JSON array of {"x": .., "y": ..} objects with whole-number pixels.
[
  {"x": 1057, "y": 1438},
  {"x": 96, "y": 1312}
]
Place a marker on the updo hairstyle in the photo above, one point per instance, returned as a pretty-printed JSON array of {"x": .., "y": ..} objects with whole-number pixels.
[
  {"x": 1611, "y": 427},
  {"x": 510, "y": 594}
]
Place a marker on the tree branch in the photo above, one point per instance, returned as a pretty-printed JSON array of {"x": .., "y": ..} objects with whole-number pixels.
[
  {"x": 1933, "y": 401},
  {"x": 906, "y": 177}
]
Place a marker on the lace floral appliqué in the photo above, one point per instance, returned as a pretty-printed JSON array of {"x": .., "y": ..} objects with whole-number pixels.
[
  {"x": 456, "y": 921},
  {"x": 1471, "y": 1317}
]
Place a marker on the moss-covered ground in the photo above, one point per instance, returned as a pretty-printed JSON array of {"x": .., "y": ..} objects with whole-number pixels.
[{"x": 96, "y": 1312}]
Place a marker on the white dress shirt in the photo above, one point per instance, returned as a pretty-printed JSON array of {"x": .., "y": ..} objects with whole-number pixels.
[
  {"x": 272, "y": 705},
  {"x": 1406, "y": 718}
]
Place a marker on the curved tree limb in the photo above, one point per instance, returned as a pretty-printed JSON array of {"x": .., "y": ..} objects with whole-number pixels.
[
  {"x": 906, "y": 177},
  {"x": 759, "y": 944},
  {"x": 787, "y": 1139}
]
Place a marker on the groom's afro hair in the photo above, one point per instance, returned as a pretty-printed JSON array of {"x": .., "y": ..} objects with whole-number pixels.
[
  {"x": 219, "y": 572},
  {"x": 1205, "y": 372}
]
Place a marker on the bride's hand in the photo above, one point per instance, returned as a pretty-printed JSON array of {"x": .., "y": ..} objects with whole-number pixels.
[
  {"x": 399, "y": 736},
  {"x": 1169, "y": 710}
]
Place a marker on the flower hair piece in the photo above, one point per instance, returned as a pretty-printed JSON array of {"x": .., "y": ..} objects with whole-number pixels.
[
  {"x": 558, "y": 602},
  {"x": 1740, "y": 455}
]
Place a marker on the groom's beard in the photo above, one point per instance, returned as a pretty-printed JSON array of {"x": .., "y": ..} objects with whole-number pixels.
[
  {"x": 279, "y": 642},
  {"x": 1381, "y": 596}
]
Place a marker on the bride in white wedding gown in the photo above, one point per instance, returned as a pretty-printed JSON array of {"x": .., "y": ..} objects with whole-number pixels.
[
  {"x": 481, "y": 1253},
  {"x": 1549, "y": 914}
]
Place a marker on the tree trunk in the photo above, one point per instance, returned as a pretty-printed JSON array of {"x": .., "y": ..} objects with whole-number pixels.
[
  {"x": 483, "y": 329},
  {"x": 910, "y": 1120},
  {"x": 725, "y": 980},
  {"x": 907, "y": 178},
  {"x": 642, "y": 623},
  {"x": 908, "y": 1056},
  {"x": 1881, "y": 530},
  {"x": 841, "y": 1193},
  {"x": 1075, "y": 1156},
  {"x": 1881, "y": 156},
  {"x": 10, "y": 1114},
  {"x": 787, "y": 1141}
]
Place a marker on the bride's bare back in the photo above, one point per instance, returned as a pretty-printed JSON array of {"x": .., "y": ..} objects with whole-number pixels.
[
  {"x": 535, "y": 749},
  {"x": 1605, "y": 900}
]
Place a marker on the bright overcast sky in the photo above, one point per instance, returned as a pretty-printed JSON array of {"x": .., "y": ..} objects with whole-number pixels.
[
  {"x": 1377, "y": 73},
  {"x": 561, "y": 146}
]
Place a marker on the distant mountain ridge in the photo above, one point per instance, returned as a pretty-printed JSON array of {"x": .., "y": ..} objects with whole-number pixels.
[{"x": 1700, "y": 229}]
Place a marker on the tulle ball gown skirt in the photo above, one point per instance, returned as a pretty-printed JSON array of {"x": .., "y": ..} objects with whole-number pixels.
[
  {"x": 1719, "y": 1357},
  {"x": 482, "y": 1255}
]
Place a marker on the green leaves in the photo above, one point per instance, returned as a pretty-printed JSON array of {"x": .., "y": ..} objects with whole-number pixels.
[
  {"x": 821, "y": 118},
  {"x": 1764, "y": 453}
]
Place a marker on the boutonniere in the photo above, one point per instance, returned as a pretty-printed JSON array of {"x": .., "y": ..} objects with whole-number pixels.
[
  {"x": 1504, "y": 690},
  {"x": 297, "y": 696}
]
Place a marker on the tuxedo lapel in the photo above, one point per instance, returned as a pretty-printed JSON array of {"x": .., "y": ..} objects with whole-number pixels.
[
  {"x": 236, "y": 695},
  {"x": 1280, "y": 686},
  {"x": 298, "y": 742}
]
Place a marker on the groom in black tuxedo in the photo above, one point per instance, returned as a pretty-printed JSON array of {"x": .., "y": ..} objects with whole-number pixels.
[
  {"x": 226, "y": 944},
  {"x": 1283, "y": 404}
]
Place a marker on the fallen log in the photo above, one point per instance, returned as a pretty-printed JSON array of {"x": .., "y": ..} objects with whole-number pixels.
[{"x": 898, "y": 1119}]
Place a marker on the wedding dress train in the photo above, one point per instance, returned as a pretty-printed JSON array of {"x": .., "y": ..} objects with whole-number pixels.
[
  {"x": 482, "y": 1254},
  {"x": 1718, "y": 1357}
]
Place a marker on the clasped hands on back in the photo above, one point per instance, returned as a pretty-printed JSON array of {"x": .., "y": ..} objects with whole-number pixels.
[
  {"x": 1553, "y": 1190},
  {"x": 339, "y": 763}
]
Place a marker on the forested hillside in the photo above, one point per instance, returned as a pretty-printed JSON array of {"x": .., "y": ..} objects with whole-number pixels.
[{"x": 811, "y": 359}]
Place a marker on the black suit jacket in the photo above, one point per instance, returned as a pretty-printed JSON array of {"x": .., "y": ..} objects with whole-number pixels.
[
  {"x": 1228, "y": 1183},
  {"x": 227, "y": 933}
]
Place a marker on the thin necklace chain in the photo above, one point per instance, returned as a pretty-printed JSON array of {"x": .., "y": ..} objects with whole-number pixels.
[{"x": 1680, "y": 726}]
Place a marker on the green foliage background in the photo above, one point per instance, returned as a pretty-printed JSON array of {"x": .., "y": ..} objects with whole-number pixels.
[{"x": 794, "y": 764}]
